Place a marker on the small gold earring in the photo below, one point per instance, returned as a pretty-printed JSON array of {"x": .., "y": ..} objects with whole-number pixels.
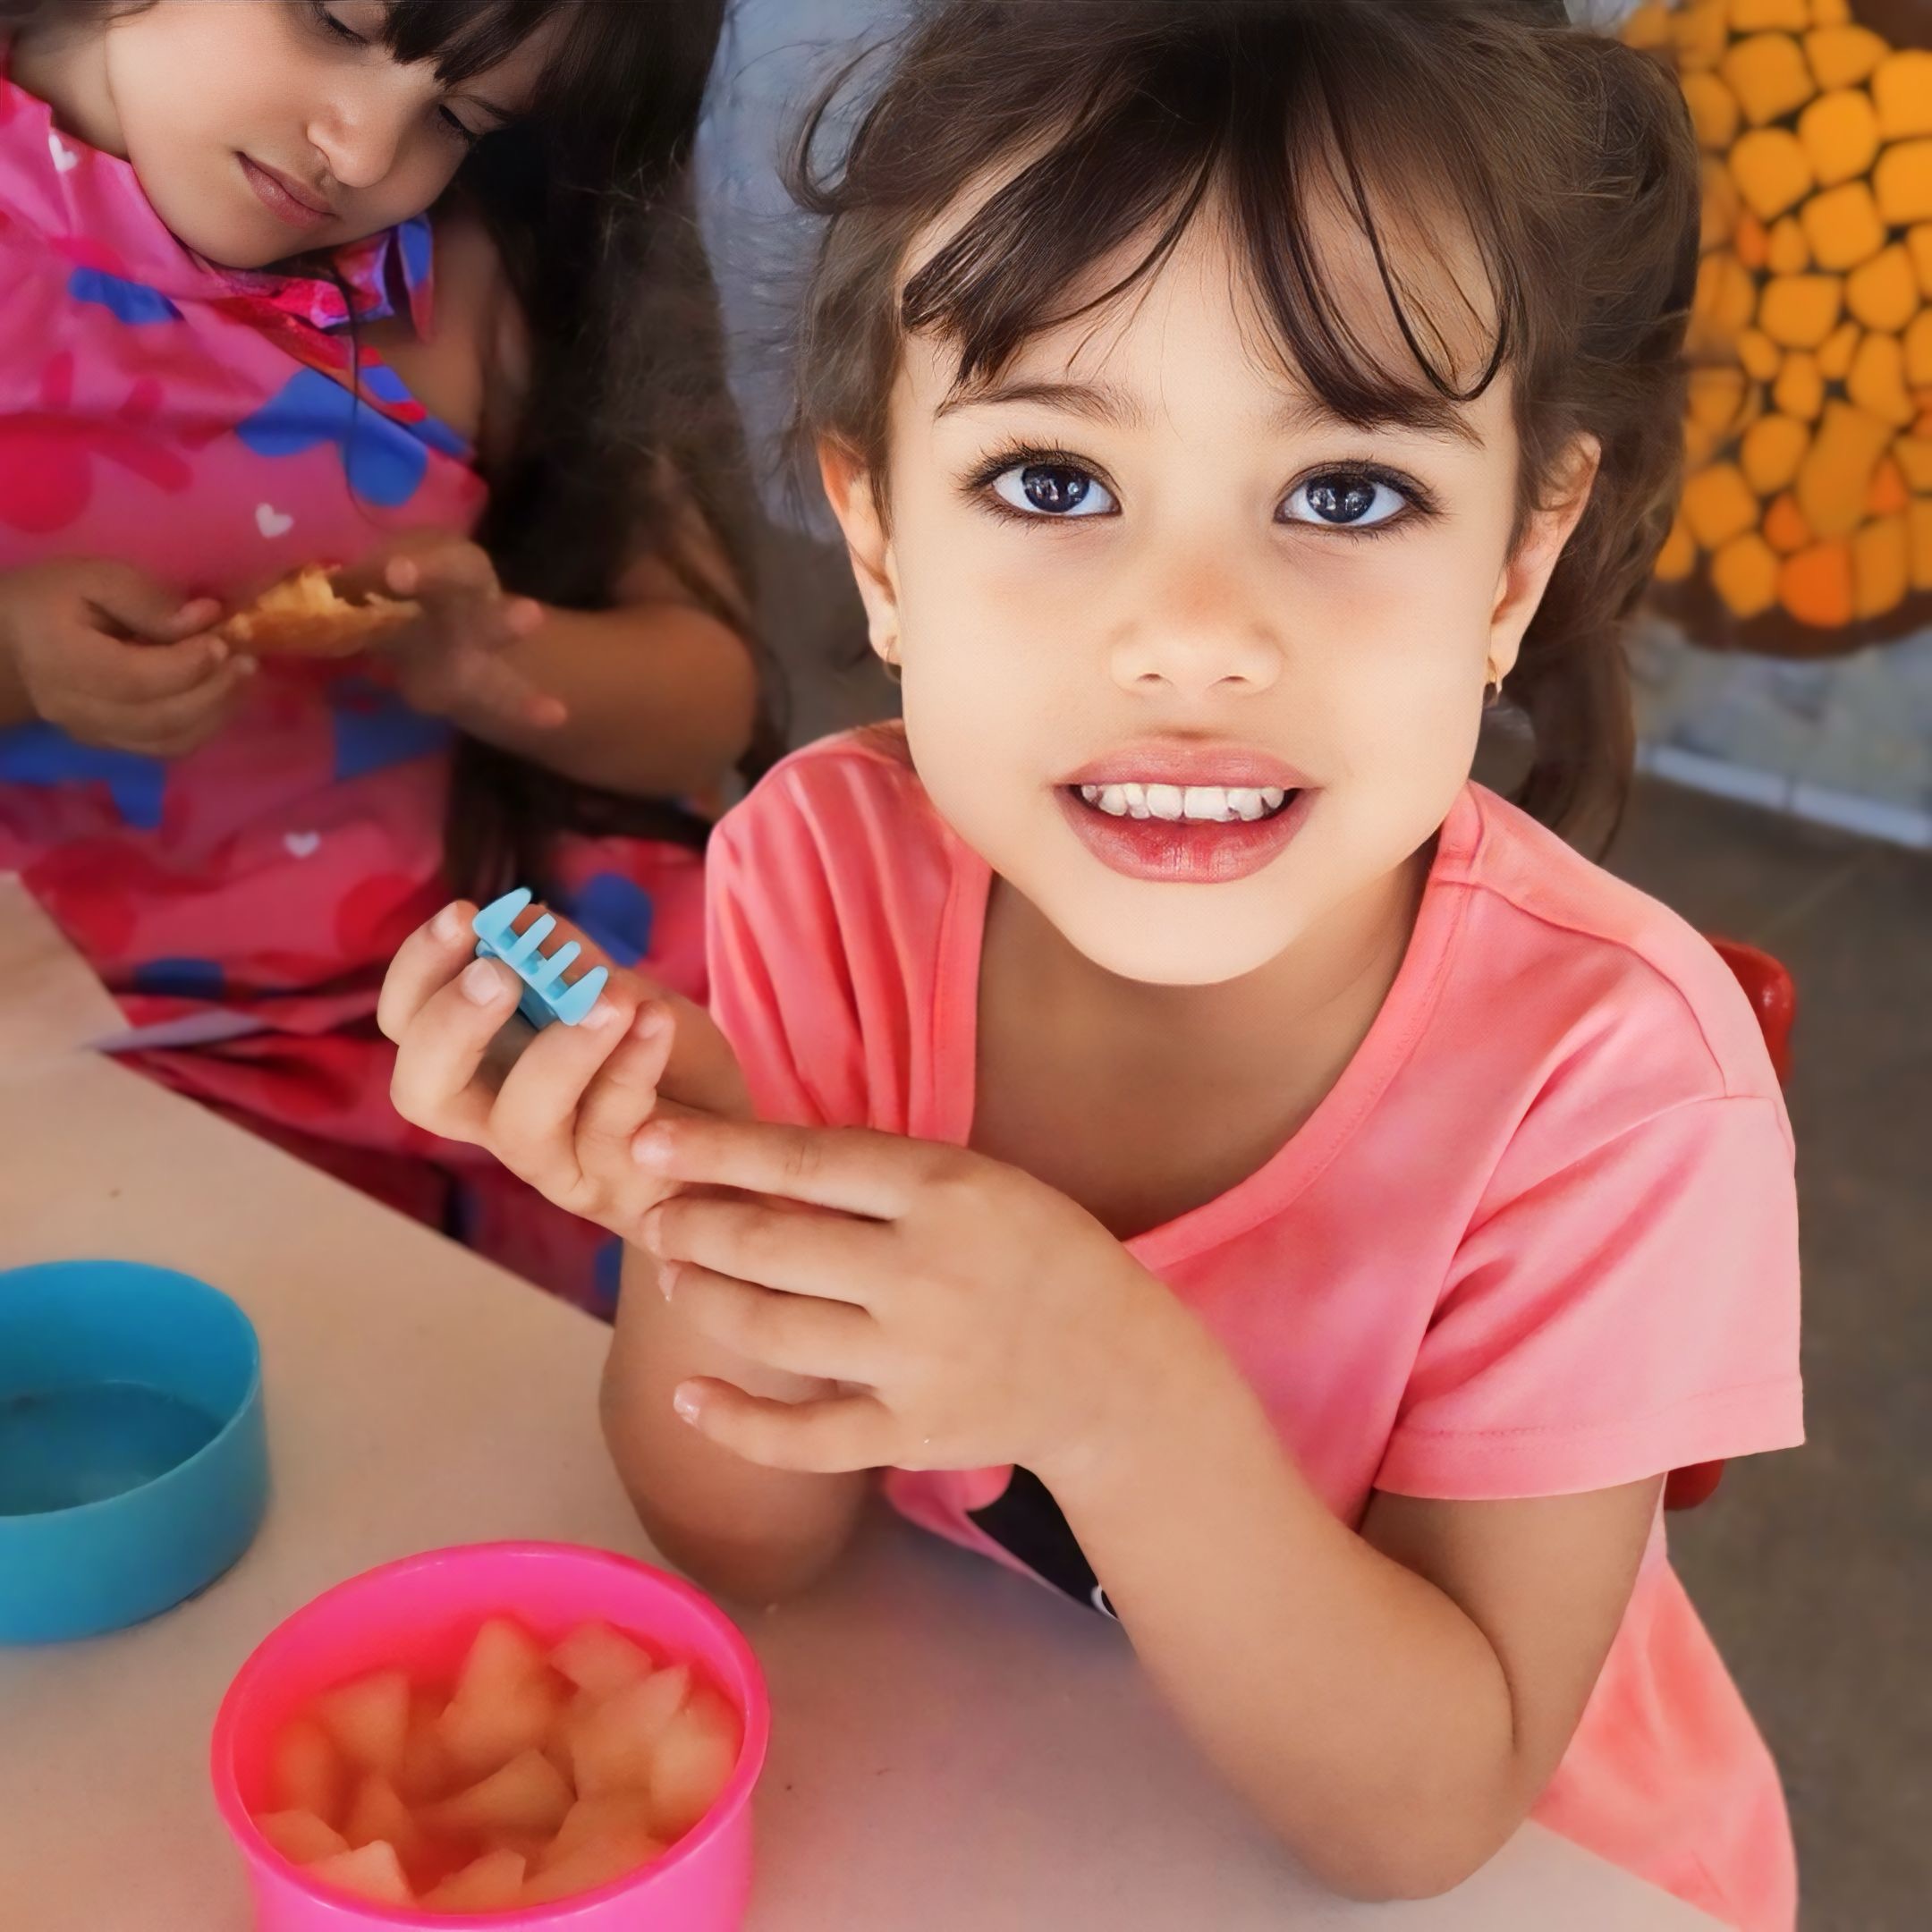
[{"x": 1492, "y": 687}]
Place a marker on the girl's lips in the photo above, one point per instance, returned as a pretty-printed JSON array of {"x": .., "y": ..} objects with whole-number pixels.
[
  {"x": 281, "y": 196},
  {"x": 1180, "y": 851}
]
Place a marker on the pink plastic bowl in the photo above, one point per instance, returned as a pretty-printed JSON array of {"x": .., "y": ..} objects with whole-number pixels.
[{"x": 421, "y": 1612}]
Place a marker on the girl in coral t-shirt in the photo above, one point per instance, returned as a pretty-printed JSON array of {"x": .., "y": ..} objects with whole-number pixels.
[{"x": 1201, "y": 1148}]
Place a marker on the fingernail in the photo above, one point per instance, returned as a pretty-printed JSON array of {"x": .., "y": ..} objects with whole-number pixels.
[
  {"x": 600, "y": 1016},
  {"x": 217, "y": 651},
  {"x": 685, "y": 1401},
  {"x": 651, "y": 1147},
  {"x": 481, "y": 984},
  {"x": 402, "y": 575},
  {"x": 651, "y": 1020},
  {"x": 448, "y": 925},
  {"x": 666, "y": 1278}
]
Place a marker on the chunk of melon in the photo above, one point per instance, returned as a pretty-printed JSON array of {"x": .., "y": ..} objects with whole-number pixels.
[
  {"x": 599, "y": 1860},
  {"x": 600, "y": 1660},
  {"x": 613, "y": 1744},
  {"x": 528, "y": 1794},
  {"x": 306, "y": 1772},
  {"x": 597, "y": 1817},
  {"x": 492, "y": 1883},
  {"x": 374, "y": 1873},
  {"x": 368, "y": 1720},
  {"x": 428, "y": 1771},
  {"x": 301, "y": 1837},
  {"x": 506, "y": 1699},
  {"x": 694, "y": 1761},
  {"x": 377, "y": 1813}
]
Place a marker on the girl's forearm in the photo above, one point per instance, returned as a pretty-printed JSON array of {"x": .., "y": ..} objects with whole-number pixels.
[
  {"x": 660, "y": 695},
  {"x": 1351, "y": 1702}
]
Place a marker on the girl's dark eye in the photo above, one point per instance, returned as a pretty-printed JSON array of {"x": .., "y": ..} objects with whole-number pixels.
[
  {"x": 1343, "y": 499},
  {"x": 1052, "y": 489},
  {"x": 330, "y": 25},
  {"x": 468, "y": 136}
]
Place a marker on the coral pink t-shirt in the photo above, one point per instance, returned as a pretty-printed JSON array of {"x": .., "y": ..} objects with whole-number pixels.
[{"x": 1539, "y": 1239}]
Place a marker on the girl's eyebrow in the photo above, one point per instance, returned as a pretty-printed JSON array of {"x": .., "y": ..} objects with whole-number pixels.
[
  {"x": 1099, "y": 401},
  {"x": 1419, "y": 415}
]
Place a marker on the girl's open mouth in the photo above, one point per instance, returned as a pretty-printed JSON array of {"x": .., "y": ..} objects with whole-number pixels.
[{"x": 1198, "y": 834}]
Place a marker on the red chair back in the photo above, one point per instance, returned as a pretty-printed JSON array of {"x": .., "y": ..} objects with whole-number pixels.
[{"x": 1775, "y": 1000}]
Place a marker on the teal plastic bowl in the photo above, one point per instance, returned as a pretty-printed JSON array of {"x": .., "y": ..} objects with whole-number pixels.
[{"x": 134, "y": 1462}]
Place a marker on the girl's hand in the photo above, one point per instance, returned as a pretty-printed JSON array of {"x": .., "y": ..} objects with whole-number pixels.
[
  {"x": 972, "y": 1315},
  {"x": 452, "y": 662},
  {"x": 114, "y": 660},
  {"x": 563, "y": 1111}
]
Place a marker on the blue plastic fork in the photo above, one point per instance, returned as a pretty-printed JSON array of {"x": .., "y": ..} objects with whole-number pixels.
[{"x": 545, "y": 996}]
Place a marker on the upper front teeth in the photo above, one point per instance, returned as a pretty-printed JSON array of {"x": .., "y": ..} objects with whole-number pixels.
[{"x": 1215, "y": 804}]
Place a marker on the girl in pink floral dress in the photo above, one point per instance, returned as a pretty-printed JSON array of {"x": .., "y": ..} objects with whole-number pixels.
[{"x": 220, "y": 231}]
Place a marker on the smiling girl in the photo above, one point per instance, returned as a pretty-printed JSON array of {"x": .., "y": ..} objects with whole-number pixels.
[
  {"x": 1202, "y": 1149},
  {"x": 404, "y": 286}
]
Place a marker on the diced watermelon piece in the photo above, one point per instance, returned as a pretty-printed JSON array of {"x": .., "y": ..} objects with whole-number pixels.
[
  {"x": 301, "y": 1837},
  {"x": 373, "y": 1872},
  {"x": 368, "y": 1720},
  {"x": 492, "y": 1883},
  {"x": 600, "y": 1660},
  {"x": 694, "y": 1759},
  {"x": 528, "y": 1794}
]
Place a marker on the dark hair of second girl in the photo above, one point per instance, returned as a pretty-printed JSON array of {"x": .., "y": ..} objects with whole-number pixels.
[
  {"x": 628, "y": 427},
  {"x": 1569, "y": 159}
]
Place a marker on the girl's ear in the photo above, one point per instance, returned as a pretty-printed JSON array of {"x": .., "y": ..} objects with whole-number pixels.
[
  {"x": 849, "y": 489},
  {"x": 1526, "y": 571}
]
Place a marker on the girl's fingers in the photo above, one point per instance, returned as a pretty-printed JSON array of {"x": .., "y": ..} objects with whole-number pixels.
[
  {"x": 624, "y": 1092},
  {"x": 439, "y": 1081},
  {"x": 453, "y": 570},
  {"x": 426, "y": 962},
  {"x": 534, "y": 1125},
  {"x": 850, "y": 1170},
  {"x": 492, "y": 683},
  {"x": 799, "y": 1251},
  {"x": 797, "y": 1334},
  {"x": 144, "y": 674},
  {"x": 829, "y": 1437},
  {"x": 201, "y": 706}
]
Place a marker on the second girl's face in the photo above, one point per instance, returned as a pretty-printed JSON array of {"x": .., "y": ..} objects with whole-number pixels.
[
  {"x": 1192, "y": 663},
  {"x": 263, "y": 129}
]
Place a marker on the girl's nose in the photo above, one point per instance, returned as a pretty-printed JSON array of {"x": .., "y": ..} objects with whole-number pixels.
[
  {"x": 1199, "y": 630},
  {"x": 360, "y": 137}
]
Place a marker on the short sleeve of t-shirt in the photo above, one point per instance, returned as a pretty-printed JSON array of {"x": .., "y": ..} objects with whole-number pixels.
[
  {"x": 1616, "y": 1310},
  {"x": 824, "y": 891}
]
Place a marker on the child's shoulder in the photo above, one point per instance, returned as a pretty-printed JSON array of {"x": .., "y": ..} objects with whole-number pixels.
[
  {"x": 858, "y": 786},
  {"x": 1584, "y": 961},
  {"x": 847, "y": 819}
]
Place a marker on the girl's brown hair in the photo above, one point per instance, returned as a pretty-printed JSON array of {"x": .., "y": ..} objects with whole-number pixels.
[{"x": 1563, "y": 159}]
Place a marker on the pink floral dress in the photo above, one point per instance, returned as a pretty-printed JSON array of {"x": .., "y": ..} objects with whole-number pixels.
[{"x": 216, "y": 428}]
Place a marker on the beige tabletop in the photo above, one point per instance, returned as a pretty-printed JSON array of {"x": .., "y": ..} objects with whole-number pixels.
[{"x": 954, "y": 1749}]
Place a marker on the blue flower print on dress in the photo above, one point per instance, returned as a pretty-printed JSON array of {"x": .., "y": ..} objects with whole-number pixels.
[
  {"x": 615, "y": 911},
  {"x": 180, "y": 978},
  {"x": 374, "y": 729},
  {"x": 381, "y": 461},
  {"x": 127, "y": 302},
  {"x": 42, "y": 754}
]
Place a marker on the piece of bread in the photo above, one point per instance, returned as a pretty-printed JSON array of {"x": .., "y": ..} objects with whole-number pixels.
[{"x": 304, "y": 615}]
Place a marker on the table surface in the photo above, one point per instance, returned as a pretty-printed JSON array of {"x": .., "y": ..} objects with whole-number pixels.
[{"x": 954, "y": 1749}]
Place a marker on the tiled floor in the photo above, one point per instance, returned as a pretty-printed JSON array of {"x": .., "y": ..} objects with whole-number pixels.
[{"x": 1814, "y": 1570}]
